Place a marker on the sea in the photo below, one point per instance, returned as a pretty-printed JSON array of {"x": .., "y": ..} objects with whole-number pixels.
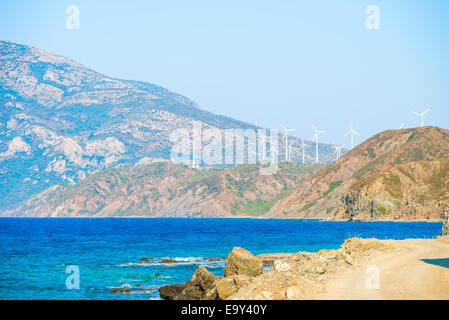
[{"x": 84, "y": 258}]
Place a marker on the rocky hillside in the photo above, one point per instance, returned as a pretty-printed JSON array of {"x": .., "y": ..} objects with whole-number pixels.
[
  {"x": 395, "y": 175},
  {"x": 166, "y": 190},
  {"x": 62, "y": 121}
]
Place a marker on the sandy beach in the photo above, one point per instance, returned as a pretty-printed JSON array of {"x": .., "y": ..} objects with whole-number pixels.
[{"x": 419, "y": 270}]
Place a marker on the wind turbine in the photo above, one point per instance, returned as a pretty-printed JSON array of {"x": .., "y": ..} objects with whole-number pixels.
[
  {"x": 263, "y": 142},
  {"x": 402, "y": 126},
  {"x": 317, "y": 132},
  {"x": 290, "y": 150},
  {"x": 285, "y": 136},
  {"x": 272, "y": 152},
  {"x": 337, "y": 149},
  {"x": 421, "y": 115},
  {"x": 303, "y": 147},
  {"x": 352, "y": 132}
]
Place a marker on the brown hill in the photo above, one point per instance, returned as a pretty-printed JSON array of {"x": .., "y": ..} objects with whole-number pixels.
[
  {"x": 397, "y": 174},
  {"x": 164, "y": 189}
]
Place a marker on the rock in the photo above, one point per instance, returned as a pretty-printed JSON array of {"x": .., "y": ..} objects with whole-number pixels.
[
  {"x": 120, "y": 291},
  {"x": 242, "y": 262},
  {"x": 281, "y": 266},
  {"x": 202, "y": 279},
  {"x": 200, "y": 287},
  {"x": 157, "y": 275},
  {"x": 169, "y": 261},
  {"x": 145, "y": 259},
  {"x": 213, "y": 259},
  {"x": 293, "y": 293},
  {"x": 169, "y": 292},
  {"x": 227, "y": 286}
]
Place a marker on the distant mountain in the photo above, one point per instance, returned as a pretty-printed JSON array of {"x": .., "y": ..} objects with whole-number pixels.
[
  {"x": 166, "y": 190},
  {"x": 395, "y": 175},
  {"x": 62, "y": 121}
]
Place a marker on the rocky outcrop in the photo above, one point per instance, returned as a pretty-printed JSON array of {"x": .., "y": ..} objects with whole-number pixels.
[
  {"x": 242, "y": 262},
  {"x": 291, "y": 276},
  {"x": 445, "y": 230},
  {"x": 199, "y": 287},
  {"x": 171, "y": 291},
  {"x": 169, "y": 261},
  {"x": 227, "y": 286}
]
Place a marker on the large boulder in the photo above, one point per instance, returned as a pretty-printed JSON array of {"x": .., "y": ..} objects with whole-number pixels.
[
  {"x": 242, "y": 262},
  {"x": 199, "y": 287},
  {"x": 227, "y": 286},
  {"x": 169, "y": 292}
]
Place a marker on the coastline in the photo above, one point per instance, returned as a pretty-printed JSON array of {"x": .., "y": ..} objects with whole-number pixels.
[
  {"x": 359, "y": 269},
  {"x": 230, "y": 218}
]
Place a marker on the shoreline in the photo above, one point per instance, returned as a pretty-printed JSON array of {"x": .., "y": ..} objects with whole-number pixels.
[
  {"x": 359, "y": 269},
  {"x": 230, "y": 218}
]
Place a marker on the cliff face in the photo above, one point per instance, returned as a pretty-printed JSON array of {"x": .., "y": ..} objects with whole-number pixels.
[
  {"x": 395, "y": 175},
  {"x": 163, "y": 189}
]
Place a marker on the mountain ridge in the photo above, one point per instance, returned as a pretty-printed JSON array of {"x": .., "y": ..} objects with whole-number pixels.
[
  {"x": 384, "y": 178},
  {"x": 163, "y": 189},
  {"x": 62, "y": 121}
]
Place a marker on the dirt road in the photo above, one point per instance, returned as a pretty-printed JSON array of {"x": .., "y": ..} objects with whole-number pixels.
[{"x": 419, "y": 271}]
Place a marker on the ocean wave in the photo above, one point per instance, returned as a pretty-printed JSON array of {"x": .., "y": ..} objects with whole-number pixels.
[{"x": 180, "y": 261}]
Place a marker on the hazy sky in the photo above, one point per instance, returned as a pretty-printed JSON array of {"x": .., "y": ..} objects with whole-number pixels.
[{"x": 264, "y": 62}]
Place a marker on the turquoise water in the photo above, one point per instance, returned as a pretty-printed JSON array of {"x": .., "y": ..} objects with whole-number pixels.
[{"x": 34, "y": 253}]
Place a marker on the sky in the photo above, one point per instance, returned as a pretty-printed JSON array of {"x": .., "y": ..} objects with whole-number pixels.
[{"x": 263, "y": 62}]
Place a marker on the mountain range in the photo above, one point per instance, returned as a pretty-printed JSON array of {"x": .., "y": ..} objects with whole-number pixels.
[
  {"x": 396, "y": 175},
  {"x": 61, "y": 122}
]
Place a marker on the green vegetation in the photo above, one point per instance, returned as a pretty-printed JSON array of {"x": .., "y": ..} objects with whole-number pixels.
[
  {"x": 408, "y": 175},
  {"x": 371, "y": 153},
  {"x": 395, "y": 179},
  {"x": 155, "y": 194},
  {"x": 308, "y": 206},
  {"x": 332, "y": 186},
  {"x": 383, "y": 210},
  {"x": 254, "y": 208}
]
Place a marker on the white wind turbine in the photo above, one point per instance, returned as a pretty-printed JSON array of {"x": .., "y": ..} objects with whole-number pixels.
[
  {"x": 352, "y": 132},
  {"x": 402, "y": 126},
  {"x": 285, "y": 137},
  {"x": 263, "y": 142},
  {"x": 421, "y": 115},
  {"x": 338, "y": 149},
  {"x": 290, "y": 150},
  {"x": 317, "y": 132},
  {"x": 273, "y": 151},
  {"x": 303, "y": 147}
]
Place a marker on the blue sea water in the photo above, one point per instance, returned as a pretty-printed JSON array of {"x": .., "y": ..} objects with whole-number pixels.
[{"x": 34, "y": 252}]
